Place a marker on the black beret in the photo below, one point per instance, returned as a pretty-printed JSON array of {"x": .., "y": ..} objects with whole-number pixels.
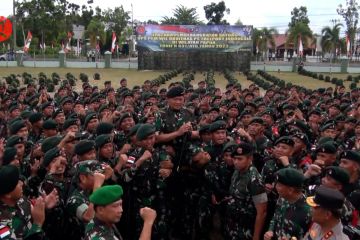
[
  {"x": 89, "y": 117},
  {"x": 257, "y": 120},
  {"x": 328, "y": 147},
  {"x": 327, "y": 126},
  {"x": 84, "y": 146},
  {"x": 338, "y": 174},
  {"x": 303, "y": 137},
  {"x": 285, "y": 140},
  {"x": 229, "y": 147},
  {"x": 245, "y": 112},
  {"x": 327, "y": 198},
  {"x": 340, "y": 118},
  {"x": 315, "y": 111},
  {"x": 9, "y": 178},
  {"x": 290, "y": 177},
  {"x": 70, "y": 122},
  {"x": 124, "y": 116},
  {"x": 35, "y": 117},
  {"x": 103, "y": 139},
  {"x": 351, "y": 155},
  {"x": 45, "y": 105},
  {"x": 57, "y": 112},
  {"x": 16, "y": 126},
  {"x": 49, "y": 124},
  {"x": 50, "y": 143},
  {"x": 134, "y": 130},
  {"x": 104, "y": 128},
  {"x": 13, "y": 107},
  {"x": 204, "y": 129},
  {"x": 50, "y": 155},
  {"x": 66, "y": 100},
  {"x": 25, "y": 114},
  {"x": 13, "y": 140},
  {"x": 102, "y": 108},
  {"x": 175, "y": 92},
  {"x": 9, "y": 155},
  {"x": 218, "y": 125},
  {"x": 144, "y": 131},
  {"x": 242, "y": 149}
]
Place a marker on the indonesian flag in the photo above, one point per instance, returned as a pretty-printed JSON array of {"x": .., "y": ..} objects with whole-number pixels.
[
  {"x": 43, "y": 46},
  {"x": 27, "y": 42},
  {"x": 113, "y": 44},
  {"x": 98, "y": 46},
  {"x": 301, "y": 47},
  {"x": 68, "y": 47},
  {"x": 348, "y": 45},
  {"x": 257, "y": 49}
]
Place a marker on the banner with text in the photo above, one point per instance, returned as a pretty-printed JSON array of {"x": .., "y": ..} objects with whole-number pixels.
[{"x": 223, "y": 38}]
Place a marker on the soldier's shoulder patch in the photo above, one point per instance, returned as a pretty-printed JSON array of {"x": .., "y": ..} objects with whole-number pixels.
[{"x": 239, "y": 150}]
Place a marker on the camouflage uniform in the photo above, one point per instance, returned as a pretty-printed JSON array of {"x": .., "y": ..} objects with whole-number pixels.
[
  {"x": 290, "y": 219},
  {"x": 18, "y": 219},
  {"x": 246, "y": 190},
  {"x": 97, "y": 230}
]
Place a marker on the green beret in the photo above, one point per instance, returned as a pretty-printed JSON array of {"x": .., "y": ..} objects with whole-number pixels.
[
  {"x": 35, "y": 117},
  {"x": 303, "y": 137},
  {"x": 204, "y": 129},
  {"x": 9, "y": 178},
  {"x": 57, "y": 112},
  {"x": 13, "y": 140},
  {"x": 102, "y": 108},
  {"x": 84, "y": 146},
  {"x": 106, "y": 195},
  {"x": 323, "y": 140},
  {"x": 104, "y": 128},
  {"x": 16, "y": 126},
  {"x": 50, "y": 143},
  {"x": 351, "y": 155},
  {"x": 134, "y": 130},
  {"x": 193, "y": 97},
  {"x": 175, "y": 92},
  {"x": 327, "y": 126},
  {"x": 13, "y": 107},
  {"x": 290, "y": 177},
  {"x": 124, "y": 116},
  {"x": 25, "y": 114},
  {"x": 229, "y": 147},
  {"x": 338, "y": 174},
  {"x": 50, "y": 155},
  {"x": 49, "y": 124},
  {"x": 144, "y": 131},
  {"x": 242, "y": 149},
  {"x": 9, "y": 155},
  {"x": 103, "y": 139},
  {"x": 89, "y": 117},
  {"x": 66, "y": 100},
  {"x": 285, "y": 140},
  {"x": 327, "y": 147},
  {"x": 258, "y": 120},
  {"x": 70, "y": 122},
  {"x": 218, "y": 125},
  {"x": 288, "y": 107},
  {"x": 45, "y": 105},
  {"x": 245, "y": 112}
]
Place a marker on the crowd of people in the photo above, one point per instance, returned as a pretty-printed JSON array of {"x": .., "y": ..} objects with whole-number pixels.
[{"x": 179, "y": 163}]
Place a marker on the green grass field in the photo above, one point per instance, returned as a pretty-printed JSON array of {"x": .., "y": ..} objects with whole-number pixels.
[{"x": 136, "y": 77}]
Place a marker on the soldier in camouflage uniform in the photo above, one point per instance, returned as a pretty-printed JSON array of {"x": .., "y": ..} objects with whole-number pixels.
[
  {"x": 292, "y": 215},
  {"x": 246, "y": 205}
]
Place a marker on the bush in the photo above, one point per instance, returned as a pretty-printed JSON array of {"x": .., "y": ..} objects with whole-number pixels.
[
  {"x": 340, "y": 82},
  {"x": 353, "y": 86},
  {"x": 327, "y": 79},
  {"x": 334, "y": 80},
  {"x": 321, "y": 77},
  {"x": 349, "y": 78},
  {"x": 50, "y": 87},
  {"x": 84, "y": 78}
]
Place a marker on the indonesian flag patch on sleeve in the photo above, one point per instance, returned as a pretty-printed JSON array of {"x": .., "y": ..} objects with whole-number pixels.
[{"x": 4, "y": 231}]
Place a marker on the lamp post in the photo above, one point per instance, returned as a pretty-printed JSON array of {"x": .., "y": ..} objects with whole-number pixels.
[{"x": 14, "y": 26}]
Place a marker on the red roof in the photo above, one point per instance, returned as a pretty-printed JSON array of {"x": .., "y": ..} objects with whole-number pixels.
[{"x": 280, "y": 42}]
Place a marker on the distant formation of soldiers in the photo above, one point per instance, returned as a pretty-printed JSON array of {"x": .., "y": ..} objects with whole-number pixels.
[{"x": 179, "y": 163}]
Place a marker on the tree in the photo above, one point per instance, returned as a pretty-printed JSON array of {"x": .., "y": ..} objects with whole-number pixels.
[
  {"x": 95, "y": 29},
  {"x": 262, "y": 38},
  {"x": 214, "y": 13},
  {"x": 238, "y": 22},
  {"x": 182, "y": 16},
  {"x": 351, "y": 16},
  {"x": 116, "y": 18},
  {"x": 152, "y": 22},
  {"x": 299, "y": 29},
  {"x": 331, "y": 39},
  {"x": 299, "y": 15}
]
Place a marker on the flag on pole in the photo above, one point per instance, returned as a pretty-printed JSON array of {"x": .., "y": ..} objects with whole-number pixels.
[
  {"x": 348, "y": 45},
  {"x": 27, "y": 42},
  {"x": 43, "y": 46},
  {"x": 113, "y": 42},
  {"x": 68, "y": 47},
  {"x": 301, "y": 47}
]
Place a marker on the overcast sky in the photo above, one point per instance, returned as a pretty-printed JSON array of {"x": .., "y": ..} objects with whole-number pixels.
[{"x": 259, "y": 13}]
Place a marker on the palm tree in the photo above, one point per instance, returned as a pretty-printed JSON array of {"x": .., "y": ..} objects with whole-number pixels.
[
  {"x": 331, "y": 39},
  {"x": 301, "y": 30},
  {"x": 264, "y": 37},
  {"x": 182, "y": 16}
]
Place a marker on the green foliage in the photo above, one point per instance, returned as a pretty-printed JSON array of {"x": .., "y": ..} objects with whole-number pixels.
[
  {"x": 350, "y": 13},
  {"x": 182, "y": 16},
  {"x": 299, "y": 15},
  {"x": 331, "y": 38},
  {"x": 215, "y": 13},
  {"x": 349, "y": 78},
  {"x": 84, "y": 78},
  {"x": 321, "y": 77},
  {"x": 299, "y": 29},
  {"x": 327, "y": 79}
]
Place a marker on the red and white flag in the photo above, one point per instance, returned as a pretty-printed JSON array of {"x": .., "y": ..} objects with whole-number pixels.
[
  {"x": 348, "y": 45},
  {"x": 113, "y": 43},
  {"x": 27, "y": 42},
  {"x": 301, "y": 47},
  {"x": 68, "y": 47},
  {"x": 43, "y": 46}
]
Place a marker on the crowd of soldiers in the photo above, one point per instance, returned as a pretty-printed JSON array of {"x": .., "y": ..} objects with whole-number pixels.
[{"x": 179, "y": 163}]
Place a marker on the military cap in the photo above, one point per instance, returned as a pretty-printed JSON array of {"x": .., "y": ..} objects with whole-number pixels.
[
  {"x": 107, "y": 82},
  {"x": 51, "y": 155},
  {"x": 13, "y": 107},
  {"x": 9, "y": 178},
  {"x": 50, "y": 143},
  {"x": 25, "y": 114},
  {"x": 104, "y": 128},
  {"x": 268, "y": 111},
  {"x": 351, "y": 155},
  {"x": 148, "y": 95},
  {"x": 250, "y": 104},
  {"x": 229, "y": 146},
  {"x": 335, "y": 105},
  {"x": 340, "y": 118},
  {"x": 195, "y": 149},
  {"x": 49, "y": 124},
  {"x": 285, "y": 140},
  {"x": 9, "y": 155},
  {"x": 216, "y": 109},
  {"x": 327, "y": 126},
  {"x": 242, "y": 149},
  {"x": 66, "y": 100},
  {"x": 134, "y": 130},
  {"x": 89, "y": 117},
  {"x": 88, "y": 167},
  {"x": 69, "y": 122},
  {"x": 354, "y": 198},
  {"x": 257, "y": 120},
  {"x": 338, "y": 174},
  {"x": 94, "y": 99},
  {"x": 204, "y": 129},
  {"x": 84, "y": 146},
  {"x": 288, "y": 107},
  {"x": 303, "y": 137},
  {"x": 144, "y": 131},
  {"x": 148, "y": 104},
  {"x": 245, "y": 112},
  {"x": 45, "y": 105},
  {"x": 13, "y": 140},
  {"x": 249, "y": 94},
  {"x": 218, "y": 125},
  {"x": 193, "y": 97},
  {"x": 351, "y": 120},
  {"x": 127, "y": 94},
  {"x": 106, "y": 195},
  {"x": 124, "y": 116},
  {"x": 290, "y": 177},
  {"x": 315, "y": 111},
  {"x": 328, "y": 147},
  {"x": 327, "y": 198},
  {"x": 103, "y": 139},
  {"x": 16, "y": 126},
  {"x": 57, "y": 112},
  {"x": 175, "y": 92},
  {"x": 35, "y": 117},
  {"x": 163, "y": 90},
  {"x": 234, "y": 105}
]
